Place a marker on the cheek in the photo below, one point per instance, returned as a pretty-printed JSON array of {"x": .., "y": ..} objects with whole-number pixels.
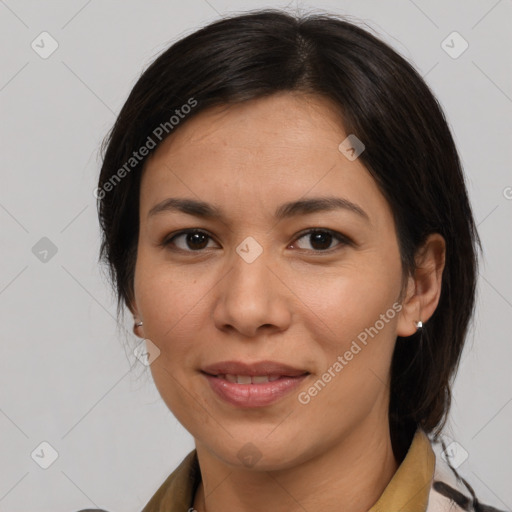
[
  {"x": 170, "y": 301},
  {"x": 172, "y": 304},
  {"x": 340, "y": 303},
  {"x": 352, "y": 325},
  {"x": 351, "y": 314}
]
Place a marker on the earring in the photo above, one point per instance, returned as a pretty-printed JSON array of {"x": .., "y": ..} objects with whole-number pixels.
[
  {"x": 419, "y": 325},
  {"x": 135, "y": 325}
]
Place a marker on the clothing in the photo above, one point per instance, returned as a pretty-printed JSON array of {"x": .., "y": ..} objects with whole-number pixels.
[{"x": 423, "y": 482}]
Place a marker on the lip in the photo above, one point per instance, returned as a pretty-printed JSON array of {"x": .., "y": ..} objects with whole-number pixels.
[
  {"x": 270, "y": 368},
  {"x": 253, "y": 395}
]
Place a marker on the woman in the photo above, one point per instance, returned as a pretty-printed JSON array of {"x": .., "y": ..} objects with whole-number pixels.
[{"x": 284, "y": 213}]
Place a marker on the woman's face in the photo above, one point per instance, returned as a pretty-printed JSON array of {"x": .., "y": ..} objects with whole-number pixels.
[{"x": 254, "y": 286}]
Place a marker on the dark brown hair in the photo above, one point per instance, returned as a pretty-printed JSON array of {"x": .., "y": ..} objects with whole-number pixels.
[{"x": 409, "y": 152}]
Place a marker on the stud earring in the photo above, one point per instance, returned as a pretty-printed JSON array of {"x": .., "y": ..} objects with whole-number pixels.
[
  {"x": 419, "y": 325},
  {"x": 135, "y": 325}
]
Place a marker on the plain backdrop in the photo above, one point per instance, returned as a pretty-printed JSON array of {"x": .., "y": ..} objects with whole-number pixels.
[{"x": 68, "y": 376}]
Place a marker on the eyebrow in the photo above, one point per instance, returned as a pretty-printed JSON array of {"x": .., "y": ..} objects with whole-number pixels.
[{"x": 286, "y": 210}]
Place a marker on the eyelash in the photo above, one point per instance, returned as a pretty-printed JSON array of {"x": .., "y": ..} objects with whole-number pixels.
[{"x": 344, "y": 240}]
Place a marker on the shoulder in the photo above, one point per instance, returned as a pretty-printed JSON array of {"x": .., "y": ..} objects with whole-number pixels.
[
  {"x": 450, "y": 492},
  {"x": 177, "y": 491}
]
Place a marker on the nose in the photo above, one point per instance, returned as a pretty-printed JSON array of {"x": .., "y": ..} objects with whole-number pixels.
[{"x": 252, "y": 299}]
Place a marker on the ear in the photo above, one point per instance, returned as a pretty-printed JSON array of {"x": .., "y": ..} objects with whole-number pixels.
[
  {"x": 137, "y": 330},
  {"x": 424, "y": 287}
]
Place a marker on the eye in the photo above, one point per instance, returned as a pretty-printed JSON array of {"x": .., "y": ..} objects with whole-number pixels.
[
  {"x": 192, "y": 240},
  {"x": 321, "y": 239},
  {"x": 195, "y": 240}
]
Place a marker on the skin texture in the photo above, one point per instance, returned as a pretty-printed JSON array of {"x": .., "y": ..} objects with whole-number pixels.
[{"x": 297, "y": 303}]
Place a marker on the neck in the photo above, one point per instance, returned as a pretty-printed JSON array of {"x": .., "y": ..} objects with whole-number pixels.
[{"x": 351, "y": 475}]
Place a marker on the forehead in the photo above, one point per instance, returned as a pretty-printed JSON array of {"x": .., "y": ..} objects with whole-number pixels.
[
  {"x": 285, "y": 119},
  {"x": 272, "y": 149}
]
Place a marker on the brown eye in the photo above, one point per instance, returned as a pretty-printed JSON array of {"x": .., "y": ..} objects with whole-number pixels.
[
  {"x": 321, "y": 239},
  {"x": 190, "y": 240}
]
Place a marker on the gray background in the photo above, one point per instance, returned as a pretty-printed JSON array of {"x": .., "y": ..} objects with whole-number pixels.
[{"x": 66, "y": 377}]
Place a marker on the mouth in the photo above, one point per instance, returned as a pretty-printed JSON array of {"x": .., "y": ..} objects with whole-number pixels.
[
  {"x": 253, "y": 379},
  {"x": 259, "y": 371},
  {"x": 252, "y": 385}
]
